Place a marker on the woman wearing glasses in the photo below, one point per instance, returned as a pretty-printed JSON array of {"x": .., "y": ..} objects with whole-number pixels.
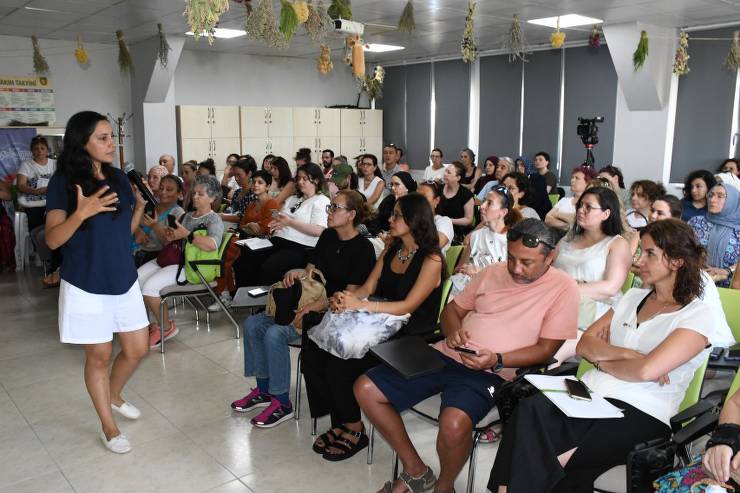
[{"x": 346, "y": 259}]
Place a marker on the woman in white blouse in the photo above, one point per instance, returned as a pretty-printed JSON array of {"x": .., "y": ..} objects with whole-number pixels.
[
  {"x": 370, "y": 183},
  {"x": 645, "y": 352},
  {"x": 562, "y": 214}
]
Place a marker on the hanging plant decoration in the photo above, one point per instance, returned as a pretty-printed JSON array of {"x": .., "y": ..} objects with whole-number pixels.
[
  {"x": 594, "y": 41},
  {"x": 203, "y": 16},
  {"x": 349, "y": 43},
  {"x": 40, "y": 65},
  {"x": 373, "y": 84},
  {"x": 288, "y": 20},
  {"x": 164, "y": 47},
  {"x": 681, "y": 59},
  {"x": 301, "y": 10},
  {"x": 468, "y": 48},
  {"x": 641, "y": 53},
  {"x": 81, "y": 54},
  {"x": 407, "y": 23},
  {"x": 732, "y": 61},
  {"x": 358, "y": 58},
  {"x": 340, "y": 9},
  {"x": 319, "y": 24},
  {"x": 125, "y": 63},
  {"x": 557, "y": 37},
  {"x": 262, "y": 25},
  {"x": 515, "y": 43},
  {"x": 324, "y": 63}
]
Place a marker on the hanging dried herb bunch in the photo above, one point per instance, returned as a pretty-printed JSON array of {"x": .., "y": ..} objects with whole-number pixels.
[
  {"x": 301, "y": 10},
  {"x": 641, "y": 53},
  {"x": 594, "y": 41},
  {"x": 40, "y": 66},
  {"x": 164, "y": 47},
  {"x": 468, "y": 47},
  {"x": 262, "y": 25},
  {"x": 340, "y": 9},
  {"x": 288, "y": 20},
  {"x": 203, "y": 16},
  {"x": 125, "y": 63},
  {"x": 324, "y": 63},
  {"x": 557, "y": 37},
  {"x": 407, "y": 23},
  {"x": 373, "y": 84},
  {"x": 319, "y": 24},
  {"x": 681, "y": 59},
  {"x": 732, "y": 61},
  {"x": 81, "y": 54},
  {"x": 515, "y": 44}
]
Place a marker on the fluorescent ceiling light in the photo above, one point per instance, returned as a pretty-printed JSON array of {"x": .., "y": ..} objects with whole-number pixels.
[
  {"x": 223, "y": 33},
  {"x": 381, "y": 48},
  {"x": 569, "y": 20}
]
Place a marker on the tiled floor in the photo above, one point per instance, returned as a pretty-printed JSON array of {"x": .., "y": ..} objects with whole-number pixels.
[{"x": 187, "y": 440}]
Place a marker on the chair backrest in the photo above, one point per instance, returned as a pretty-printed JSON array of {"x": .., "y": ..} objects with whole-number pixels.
[
  {"x": 628, "y": 282},
  {"x": 554, "y": 197},
  {"x": 452, "y": 256},
  {"x": 731, "y": 305},
  {"x": 225, "y": 240},
  {"x": 446, "y": 287},
  {"x": 735, "y": 385}
]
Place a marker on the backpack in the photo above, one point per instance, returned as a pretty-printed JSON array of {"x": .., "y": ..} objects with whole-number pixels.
[
  {"x": 191, "y": 252},
  {"x": 7, "y": 243}
]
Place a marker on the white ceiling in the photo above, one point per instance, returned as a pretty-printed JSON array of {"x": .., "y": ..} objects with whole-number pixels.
[{"x": 439, "y": 23}]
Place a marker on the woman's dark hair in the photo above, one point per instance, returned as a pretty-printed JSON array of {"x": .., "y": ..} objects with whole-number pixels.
[
  {"x": 701, "y": 174},
  {"x": 284, "y": 175},
  {"x": 441, "y": 154},
  {"x": 730, "y": 160},
  {"x": 357, "y": 202},
  {"x": 237, "y": 156},
  {"x": 354, "y": 181},
  {"x": 544, "y": 155},
  {"x": 470, "y": 153},
  {"x": 460, "y": 167},
  {"x": 513, "y": 216},
  {"x": 75, "y": 164},
  {"x": 247, "y": 165},
  {"x": 374, "y": 159},
  {"x": 608, "y": 200},
  {"x": 174, "y": 179},
  {"x": 614, "y": 171},
  {"x": 674, "y": 204},
  {"x": 209, "y": 165},
  {"x": 588, "y": 172},
  {"x": 264, "y": 175},
  {"x": 522, "y": 183},
  {"x": 433, "y": 186},
  {"x": 39, "y": 139},
  {"x": 678, "y": 242},
  {"x": 270, "y": 157},
  {"x": 315, "y": 174},
  {"x": 649, "y": 188},
  {"x": 419, "y": 217}
]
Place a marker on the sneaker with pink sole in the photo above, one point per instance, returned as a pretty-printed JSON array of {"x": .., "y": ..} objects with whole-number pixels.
[
  {"x": 256, "y": 399},
  {"x": 155, "y": 334},
  {"x": 273, "y": 415}
]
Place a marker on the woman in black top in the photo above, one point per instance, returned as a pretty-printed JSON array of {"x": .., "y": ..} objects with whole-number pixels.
[
  {"x": 408, "y": 278},
  {"x": 401, "y": 184},
  {"x": 457, "y": 201}
]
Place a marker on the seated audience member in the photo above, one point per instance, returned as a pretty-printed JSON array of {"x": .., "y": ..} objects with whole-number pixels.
[
  {"x": 436, "y": 170},
  {"x": 596, "y": 255},
  {"x": 719, "y": 232},
  {"x": 457, "y": 200},
  {"x": 695, "y": 190},
  {"x": 542, "y": 167},
  {"x": 615, "y": 177},
  {"x": 481, "y": 319},
  {"x": 643, "y": 192},
  {"x": 563, "y": 213},
  {"x": 341, "y": 178},
  {"x": 153, "y": 278},
  {"x": 153, "y": 176},
  {"x": 295, "y": 231},
  {"x": 538, "y": 198},
  {"x": 664, "y": 207},
  {"x": 471, "y": 173},
  {"x": 242, "y": 171},
  {"x": 254, "y": 221},
  {"x": 370, "y": 180},
  {"x": 391, "y": 165},
  {"x": 168, "y": 161},
  {"x": 267, "y": 163},
  {"x": 207, "y": 167},
  {"x": 518, "y": 186},
  {"x": 401, "y": 184},
  {"x": 445, "y": 231},
  {"x": 32, "y": 179},
  {"x": 327, "y": 162},
  {"x": 729, "y": 166},
  {"x": 188, "y": 173},
  {"x": 346, "y": 259},
  {"x": 282, "y": 180},
  {"x": 153, "y": 227},
  {"x": 645, "y": 350},
  {"x": 504, "y": 166},
  {"x": 302, "y": 157},
  {"x": 228, "y": 181},
  {"x": 524, "y": 165},
  {"x": 489, "y": 174}
]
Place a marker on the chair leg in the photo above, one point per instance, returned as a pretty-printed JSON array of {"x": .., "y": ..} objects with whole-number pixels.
[
  {"x": 226, "y": 310},
  {"x": 208, "y": 316},
  {"x": 472, "y": 463},
  {"x": 371, "y": 445},
  {"x": 394, "y": 471},
  {"x": 313, "y": 427},
  {"x": 195, "y": 309},
  {"x": 162, "y": 323},
  {"x": 298, "y": 385}
]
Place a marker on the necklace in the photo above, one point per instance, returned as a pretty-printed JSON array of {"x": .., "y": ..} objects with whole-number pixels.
[{"x": 404, "y": 258}]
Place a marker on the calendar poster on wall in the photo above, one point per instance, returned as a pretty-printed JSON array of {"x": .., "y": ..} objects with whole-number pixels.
[{"x": 26, "y": 101}]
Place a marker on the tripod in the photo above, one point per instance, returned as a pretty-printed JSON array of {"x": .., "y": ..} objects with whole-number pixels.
[{"x": 590, "y": 159}]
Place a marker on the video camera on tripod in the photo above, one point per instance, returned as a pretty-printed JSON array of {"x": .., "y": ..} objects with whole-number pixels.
[{"x": 589, "y": 133}]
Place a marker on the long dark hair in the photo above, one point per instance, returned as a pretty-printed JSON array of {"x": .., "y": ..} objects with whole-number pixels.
[
  {"x": 419, "y": 217},
  {"x": 678, "y": 242},
  {"x": 315, "y": 174},
  {"x": 701, "y": 174},
  {"x": 608, "y": 201},
  {"x": 75, "y": 164},
  {"x": 284, "y": 176}
]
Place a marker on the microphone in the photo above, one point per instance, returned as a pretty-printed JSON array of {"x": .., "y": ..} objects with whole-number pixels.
[{"x": 135, "y": 178}]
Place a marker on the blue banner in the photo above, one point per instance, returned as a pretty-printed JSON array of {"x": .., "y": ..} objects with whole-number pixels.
[{"x": 14, "y": 149}]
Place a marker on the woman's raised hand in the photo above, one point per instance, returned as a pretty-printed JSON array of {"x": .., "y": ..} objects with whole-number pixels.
[{"x": 96, "y": 203}]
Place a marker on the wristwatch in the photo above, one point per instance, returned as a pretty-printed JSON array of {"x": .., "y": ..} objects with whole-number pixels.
[{"x": 499, "y": 363}]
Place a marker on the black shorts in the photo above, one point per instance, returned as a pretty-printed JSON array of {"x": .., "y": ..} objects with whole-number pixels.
[{"x": 469, "y": 390}]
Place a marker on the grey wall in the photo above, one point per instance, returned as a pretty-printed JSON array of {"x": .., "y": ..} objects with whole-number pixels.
[
  {"x": 393, "y": 104},
  {"x": 500, "y": 106},
  {"x": 451, "y": 95},
  {"x": 418, "y": 114}
]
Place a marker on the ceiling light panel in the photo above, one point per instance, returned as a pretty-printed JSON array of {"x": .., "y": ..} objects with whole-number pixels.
[{"x": 568, "y": 20}]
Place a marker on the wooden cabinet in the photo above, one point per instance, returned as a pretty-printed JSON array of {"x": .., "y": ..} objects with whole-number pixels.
[
  {"x": 208, "y": 132},
  {"x": 362, "y": 132},
  {"x": 267, "y": 130},
  {"x": 194, "y": 122}
]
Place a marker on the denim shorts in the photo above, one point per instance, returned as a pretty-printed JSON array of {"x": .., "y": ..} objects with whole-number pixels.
[{"x": 463, "y": 388}]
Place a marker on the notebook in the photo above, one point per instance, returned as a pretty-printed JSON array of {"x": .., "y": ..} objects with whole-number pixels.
[{"x": 409, "y": 356}]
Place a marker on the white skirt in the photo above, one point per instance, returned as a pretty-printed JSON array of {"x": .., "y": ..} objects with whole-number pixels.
[{"x": 86, "y": 318}]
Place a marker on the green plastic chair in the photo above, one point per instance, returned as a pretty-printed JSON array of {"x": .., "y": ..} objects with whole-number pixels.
[
  {"x": 554, "y": 197},
  {"x": 731, "y": 305},
  {"x": 628, "y": 282},
  {"x": 446, "y": 287},
  {"x": 452, "y": 256}
]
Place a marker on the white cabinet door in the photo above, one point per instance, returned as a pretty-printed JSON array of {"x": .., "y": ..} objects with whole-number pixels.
[
  {"x": 373, "y": 145},
  {"x": 304, "y": 122},
  {"x": 352, "y": 123},
  {"x": 254, "y": 122},
  {"x": 225, "y": 122},
  {"x": 329, "y": 123},
  {"x": 372, "y": 123},
  {"x": 256, "y": 147},
  {"x": 197, "y": 149},
  {"x": 333, "y": 143},
  {"x": 281, "y": 121},
  {"x": 195, "y": 122},
  {"x": 221, "y": 149},
  {"x": 351, "y": 147},
  {"x": 281, "y": 146}
]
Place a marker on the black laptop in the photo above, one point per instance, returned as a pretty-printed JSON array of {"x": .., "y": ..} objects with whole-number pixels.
[{"x": 409, "y": 356}]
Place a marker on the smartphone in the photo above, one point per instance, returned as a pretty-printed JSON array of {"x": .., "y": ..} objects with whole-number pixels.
[
  {"x": 466, "y": 350},
  {"x": 577, "y": 389},
  {"x": 256, "y": 292},
  {"x": 716, "y": 353},
  {"x": 171, "y": 221},
  {"x": 275, "y": 214}
]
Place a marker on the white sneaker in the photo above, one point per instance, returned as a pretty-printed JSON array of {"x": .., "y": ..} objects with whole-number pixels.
[
  {"x": 118, "y": 444},
  {"x": 225, "y": 299},
  {"x": 127, "y": 410}
]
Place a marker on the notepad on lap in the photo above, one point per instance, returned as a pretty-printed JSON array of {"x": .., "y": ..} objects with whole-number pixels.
[
  {"x": 554, "y": 389},
  {"x": 255, "y": 243}
]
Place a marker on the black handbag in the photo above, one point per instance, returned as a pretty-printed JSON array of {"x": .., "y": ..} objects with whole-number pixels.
[
  {"x": 508, "y": 396},
  {"x": 647, "y": 462}
]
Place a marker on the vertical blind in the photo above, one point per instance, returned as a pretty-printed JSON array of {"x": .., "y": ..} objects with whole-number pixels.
[
  {"x": 500, "y": 106},
  {"x": 418, "y": 114},
  {"x": 451, "y": 90},
  {"x": 393, "y": 105}
]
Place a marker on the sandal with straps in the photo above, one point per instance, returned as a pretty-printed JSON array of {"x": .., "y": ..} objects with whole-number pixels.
[
  {"x": 327, "y": 438},
  {"x": 346, "y": 447},
  {"x": 423, "y": 484}
]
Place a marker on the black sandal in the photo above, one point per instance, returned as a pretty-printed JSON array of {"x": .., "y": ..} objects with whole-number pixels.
[
  {"x": 326, "y": 438},
  {"x": 347, "y": 448}
]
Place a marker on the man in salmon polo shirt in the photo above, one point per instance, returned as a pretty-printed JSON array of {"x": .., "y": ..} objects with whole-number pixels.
[{"x": 512, "y": 315}]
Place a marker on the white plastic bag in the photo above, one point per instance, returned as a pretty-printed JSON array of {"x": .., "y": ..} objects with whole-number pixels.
[{"x": 351, "y": 334}]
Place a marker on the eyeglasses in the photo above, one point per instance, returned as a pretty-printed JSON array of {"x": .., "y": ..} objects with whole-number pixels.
[
  {"x": 302, "y": 178},
  {"x": 588, "y": 208},
  {"x": 529, "y": 241},
  {"x": 720, "y": 196},
  {"x": 335, "y": 207},
  {"x": 396, "y": 215}
]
